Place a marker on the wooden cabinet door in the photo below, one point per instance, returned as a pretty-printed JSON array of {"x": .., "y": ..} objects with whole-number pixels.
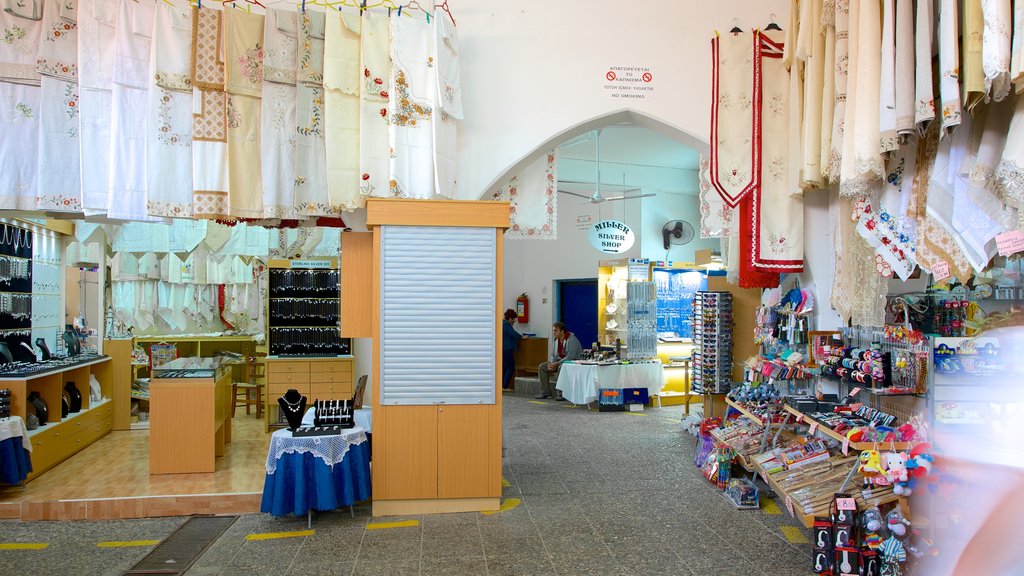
[
  {"x": 463, "y": 457},
  {"x": 409, "y": 452}
]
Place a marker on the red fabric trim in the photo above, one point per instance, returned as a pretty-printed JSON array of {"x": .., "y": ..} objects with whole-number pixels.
[
  {"x": 749, "y": 276},
  {"x": 220, "y": 306}
]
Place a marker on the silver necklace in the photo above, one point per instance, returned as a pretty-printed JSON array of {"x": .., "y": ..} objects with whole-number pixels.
[{"x": 293, "y": 407}]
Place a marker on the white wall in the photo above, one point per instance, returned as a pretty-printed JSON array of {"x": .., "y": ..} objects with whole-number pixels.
[
  {"x": 657, "y": 213},
  {"x": 533, "y": 68}
]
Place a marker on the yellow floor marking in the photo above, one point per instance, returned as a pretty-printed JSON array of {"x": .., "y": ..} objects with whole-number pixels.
[
  {"x": 24, "y": 546},
  {"x": 399, "y": 524},
  {"x": 507, "y": 505},
  {"x": 770, "y": 507},
  {"x": 277, "y": 535},
  {"x": 635, "y": 413},
  {"x": 127, "y": 543},
  {"x": 505, "y": 483},
  {"x": 537, "y": 402},
  {"x": 793, "y": 534}
]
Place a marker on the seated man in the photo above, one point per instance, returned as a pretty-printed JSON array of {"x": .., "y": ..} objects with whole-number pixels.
[{"x": 564, "y": 347}]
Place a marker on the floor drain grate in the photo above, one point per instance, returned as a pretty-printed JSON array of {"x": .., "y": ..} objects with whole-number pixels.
[{"x": 184, "y": 546}]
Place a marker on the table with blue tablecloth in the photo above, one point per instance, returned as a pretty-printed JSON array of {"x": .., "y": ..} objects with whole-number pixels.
[
  {"x": 316, "y": 472},
  {"x": 15, "y": 446}
]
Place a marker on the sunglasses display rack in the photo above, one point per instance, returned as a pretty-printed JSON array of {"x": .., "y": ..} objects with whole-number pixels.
[
  {"x": 712, "y": 339},
  {"x": 304, "y": 313}
]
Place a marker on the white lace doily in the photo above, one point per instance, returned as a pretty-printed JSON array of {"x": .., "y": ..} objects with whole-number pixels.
[{"x": 330, "y": 449}]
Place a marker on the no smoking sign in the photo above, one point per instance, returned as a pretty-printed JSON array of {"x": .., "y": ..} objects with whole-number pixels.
[{"x": 628, "y": 82}]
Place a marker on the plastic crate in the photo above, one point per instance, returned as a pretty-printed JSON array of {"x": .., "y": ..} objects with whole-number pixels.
[
  {"x": 635, "y": 396},
  {"x": 610, "y": 400}
]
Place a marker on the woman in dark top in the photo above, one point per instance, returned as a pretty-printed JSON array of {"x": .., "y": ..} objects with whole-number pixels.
[{"x": 509, "y": 342}]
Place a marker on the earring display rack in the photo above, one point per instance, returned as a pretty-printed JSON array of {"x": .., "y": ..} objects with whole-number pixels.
[
  {"x": 303, "y": 312},
  {"x": 712, "y": 339}
]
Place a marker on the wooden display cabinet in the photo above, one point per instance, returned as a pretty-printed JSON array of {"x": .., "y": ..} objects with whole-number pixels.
[
  {"x": 529, "y": 355},
  {"x": 62, "y": 437},
  {"x": 315, "y": 378},
  {"x": 124, "y": 372}
]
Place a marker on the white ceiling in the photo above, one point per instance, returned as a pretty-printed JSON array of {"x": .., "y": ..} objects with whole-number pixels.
[{"x": 633, "y": 145}]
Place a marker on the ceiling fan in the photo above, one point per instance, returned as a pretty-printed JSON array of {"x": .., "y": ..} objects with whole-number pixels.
[{"x": 596, "y": 197}]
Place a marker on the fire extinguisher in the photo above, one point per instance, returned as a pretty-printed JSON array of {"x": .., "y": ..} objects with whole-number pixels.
[{"x": 523, "y": 309}]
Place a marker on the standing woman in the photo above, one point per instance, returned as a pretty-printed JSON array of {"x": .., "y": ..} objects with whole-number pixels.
[{"x": 509, "y": 342}]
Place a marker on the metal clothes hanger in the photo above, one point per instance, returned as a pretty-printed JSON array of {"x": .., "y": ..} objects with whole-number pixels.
[
  {"x": 773, "y": 25},
  {"x": 736, "y": 27},
  {"x": 414, "y": 5}
]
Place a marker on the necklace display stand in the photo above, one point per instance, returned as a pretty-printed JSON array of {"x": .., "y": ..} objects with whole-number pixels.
[{"x": 293, "y": 406}]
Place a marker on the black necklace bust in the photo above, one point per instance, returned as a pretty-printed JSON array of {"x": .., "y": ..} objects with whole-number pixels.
[{"x": 293, "y": 406}]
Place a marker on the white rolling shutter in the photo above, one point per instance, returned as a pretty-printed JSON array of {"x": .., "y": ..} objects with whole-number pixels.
[{"x": 437, "y": 315}]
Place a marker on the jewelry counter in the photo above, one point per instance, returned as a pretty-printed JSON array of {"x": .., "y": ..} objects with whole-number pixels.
[
  {"x": 190, "y": 415},
  {"x": 39, "y": 388}
]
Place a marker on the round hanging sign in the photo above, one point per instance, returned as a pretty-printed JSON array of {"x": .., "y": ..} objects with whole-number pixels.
[{"x": 611, "y": 237}]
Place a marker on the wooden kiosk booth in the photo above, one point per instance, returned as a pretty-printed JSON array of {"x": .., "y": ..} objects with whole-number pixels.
[{"x": 425, "y": 284}]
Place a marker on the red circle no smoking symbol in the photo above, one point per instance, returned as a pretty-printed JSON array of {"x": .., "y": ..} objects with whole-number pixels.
[
  {"x": 647, "y": 77},
  {"x": 610, "y": 76}
]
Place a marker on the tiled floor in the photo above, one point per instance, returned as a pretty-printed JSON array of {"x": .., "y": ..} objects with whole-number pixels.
[{"x": 599, "y": 493}]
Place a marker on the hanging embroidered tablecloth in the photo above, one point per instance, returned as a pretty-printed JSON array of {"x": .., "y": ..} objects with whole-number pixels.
[
  {"x": 19, "y": 149},
  {"x": 410, "y": 133},
  {"x": 532, "y": 198},
  {"x": 861, "y": 170},
  {"x": 209, "y": 117},
  {"x": 735, "y": 116},
  {"x": 717, "y": 219},
  {"x": 811, "y": 50},
  {"x": 374, "y": 149},
  {"x": 996, "y": 46},
  {"x": 243, "y": 73},
  {"x": 169, "y": 142},
  {"x": 887, "y": 104},
  {"x": 905, "y": 70},
  {"x": 133, "y": 36},
  {"x": 949, "y": 65},
  {"x": 1017, "y": 48},
  {"x": 777, "y": 211},
  {"x": 280, "y": 34},
  {"x": 341, "y": 109},
  {"x": 96, "y": 21},
  {"x": 58, "y": 179},
  {"x": 21, "y": 27},
  {"x": 972, "y": 72},
  {"x": 886, "y": 226},
  {"x": 447, "y": 107},
  {"x": 924, "y": 91},
  {"x": 310, "y": 156},
  {"x": 841, "y": 23}
]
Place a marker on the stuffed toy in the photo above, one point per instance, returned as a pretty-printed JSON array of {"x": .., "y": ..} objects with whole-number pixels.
[
  {"x": 896, "y": 473},
  {"x": 871, "y": 466},
  {"x": 871, "y": 524},
  {"x": 897, "y": 524}
]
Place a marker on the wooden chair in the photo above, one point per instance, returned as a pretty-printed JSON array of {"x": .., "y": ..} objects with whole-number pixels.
[
  {"x": 250, "y": 392},
  {"x": 357, "y": 397}
]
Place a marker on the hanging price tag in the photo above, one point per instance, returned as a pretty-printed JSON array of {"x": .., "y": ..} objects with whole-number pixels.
[
  {"x": 814, "y": 427},
  {"x": 846, "y": 446},
  {"x": 846, "y": 504},
  {"x": 1010, "y": 242},
  {"x": 789, "y": 506},
  {"x": 940, "y": 272}
]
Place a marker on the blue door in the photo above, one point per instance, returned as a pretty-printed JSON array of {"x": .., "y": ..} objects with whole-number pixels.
[{"x": 577, "y": 308}]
